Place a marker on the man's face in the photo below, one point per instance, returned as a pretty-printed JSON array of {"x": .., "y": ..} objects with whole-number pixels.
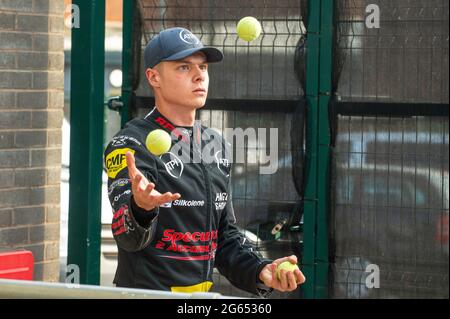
[{"x": 183, "y": 83}]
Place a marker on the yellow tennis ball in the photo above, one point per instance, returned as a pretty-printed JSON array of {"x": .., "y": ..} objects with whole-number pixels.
[
  {"x": 158, "y": 142},
  {"x": 287, "y": 265},
  {"x": 248, "y": 29}
]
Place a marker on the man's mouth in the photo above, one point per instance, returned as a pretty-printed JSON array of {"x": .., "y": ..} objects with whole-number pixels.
[{"x": 200, "y": 92}]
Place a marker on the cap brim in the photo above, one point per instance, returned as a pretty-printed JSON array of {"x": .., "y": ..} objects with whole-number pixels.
[{"x": 212, "y": 54}]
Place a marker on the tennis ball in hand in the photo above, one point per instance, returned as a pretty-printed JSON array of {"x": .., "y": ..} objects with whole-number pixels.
[
  {"x": 248, "y": 29},
  {"x": 158, "y": 142},
  {"x": 287, "y": 265}
]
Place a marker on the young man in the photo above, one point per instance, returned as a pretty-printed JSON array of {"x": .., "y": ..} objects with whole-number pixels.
[{"x": 173, "y": 220}]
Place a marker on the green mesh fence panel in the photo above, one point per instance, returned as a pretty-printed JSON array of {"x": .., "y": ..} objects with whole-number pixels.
[{"x": 390, "y": 184}]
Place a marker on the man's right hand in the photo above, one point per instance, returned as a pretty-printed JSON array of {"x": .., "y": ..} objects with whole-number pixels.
[{"x": 144, "y": 193}]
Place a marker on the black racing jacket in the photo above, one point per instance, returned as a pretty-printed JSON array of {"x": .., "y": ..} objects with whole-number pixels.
[{"x": 175, "y": 246}]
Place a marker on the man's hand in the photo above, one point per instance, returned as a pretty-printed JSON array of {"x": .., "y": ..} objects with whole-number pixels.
[
  {"x": 144, "y": 193},
  {"x": 288, "y": 279}
]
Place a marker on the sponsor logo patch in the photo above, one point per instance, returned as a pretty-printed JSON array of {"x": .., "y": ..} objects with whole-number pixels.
[
  {"x": 189, "y": 243},
  {"x": 166, "y": 205},
  {"x": 116, "y": 161},
  {"x": 117, "y": 197},
  {"x": 184, "y": 203},
  {"x": 174, "y": 166},
  {"x": 223, "y": 164},
  {"x": 118, "y": 183},
  {"x": 173, "y": 130},
  {"x": 121, "y": 140},
  {"x": 221, "y": 200},
  {"x": 188, "y": 37},
  {"x": 121, "y": 221}
]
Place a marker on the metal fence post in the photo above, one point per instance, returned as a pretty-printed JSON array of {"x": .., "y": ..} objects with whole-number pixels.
[
  {"x": 318, "y": 90},
  {"x": 86, "y": 140},
  {"x": 127, "y": 36}
]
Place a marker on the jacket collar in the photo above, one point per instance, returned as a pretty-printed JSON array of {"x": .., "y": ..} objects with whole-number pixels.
[{"x": 183, "y": 133}]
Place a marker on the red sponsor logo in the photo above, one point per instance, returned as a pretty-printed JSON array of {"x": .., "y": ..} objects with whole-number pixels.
[
  {"x": 117, "y": 224},
  {"x": 118, "y": 227},
  {"x": 173, "y": 236},
  {"x": 119, "y": 231},
  {"x": 119, "y": 213},
  {"x": 165, "y": 124},
  {"x": 189, "y": 243}
]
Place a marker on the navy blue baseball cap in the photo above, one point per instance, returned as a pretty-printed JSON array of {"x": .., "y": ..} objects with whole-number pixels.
[{"x": 175, "y": 44}]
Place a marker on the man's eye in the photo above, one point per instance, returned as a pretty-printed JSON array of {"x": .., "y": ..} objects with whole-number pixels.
[
  {"x": 204, "y": 67},
  {"x": 183, "y": 67}
]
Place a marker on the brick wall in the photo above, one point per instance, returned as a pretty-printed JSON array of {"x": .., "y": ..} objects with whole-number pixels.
[{"x": 31, "y": 111}]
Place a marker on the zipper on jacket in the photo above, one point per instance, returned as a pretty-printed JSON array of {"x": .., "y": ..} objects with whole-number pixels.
[
  {"x": 207, "y": 262},
  {"x": 206, "y": 266},
  {"x": 199, "y": 144}
]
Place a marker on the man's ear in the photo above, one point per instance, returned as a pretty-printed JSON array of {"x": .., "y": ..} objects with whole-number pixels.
[{"x": 153, "y": 77}]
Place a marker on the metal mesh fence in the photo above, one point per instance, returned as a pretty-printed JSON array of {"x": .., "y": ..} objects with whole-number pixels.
[
  {"x": 261, "y": 69},
  {"x": 258, "y": 71},
  {"x": 390, "y": 174},
  {"x": 261, "y": 201},
  {"x": 404, "y": 60},
  {"x": 391, "y": 198}
]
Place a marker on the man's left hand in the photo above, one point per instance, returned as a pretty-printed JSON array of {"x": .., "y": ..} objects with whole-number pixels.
[{"x": 289, "y": 280}]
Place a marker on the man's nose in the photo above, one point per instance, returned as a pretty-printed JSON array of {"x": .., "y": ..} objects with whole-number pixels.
[{"x": 199, "y": 74}]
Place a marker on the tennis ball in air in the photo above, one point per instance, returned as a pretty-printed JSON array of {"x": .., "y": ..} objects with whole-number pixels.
[
  {"x": 287, "y": 265},
  {"x": 248, "y": 29},
  {"x": 158, "y": 142}
]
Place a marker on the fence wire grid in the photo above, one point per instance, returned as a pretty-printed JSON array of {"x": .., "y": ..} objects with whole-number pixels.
[
  {"x": 389, "y": 174},
  {"x": 390, "y": 180}
]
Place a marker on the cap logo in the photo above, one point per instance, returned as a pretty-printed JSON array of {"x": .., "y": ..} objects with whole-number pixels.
[{"x": 188, "y": 37}]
